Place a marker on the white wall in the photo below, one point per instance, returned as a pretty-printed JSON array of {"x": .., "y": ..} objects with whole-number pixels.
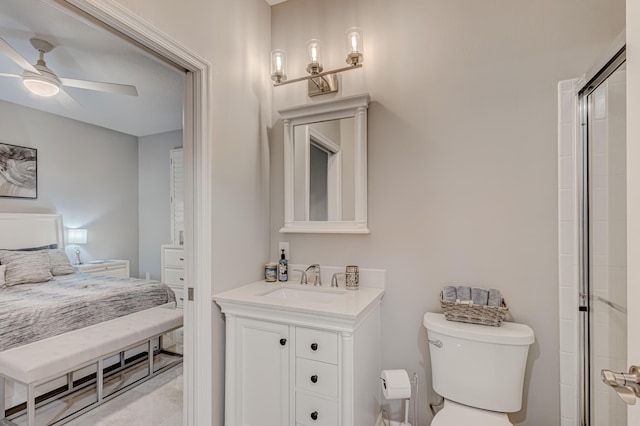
[
  {"x": 462, "y": 158},
  {"x": 86, "y": 173},
  {"x": 235, "y": 37},
  {"x": 154, "y": 199}
]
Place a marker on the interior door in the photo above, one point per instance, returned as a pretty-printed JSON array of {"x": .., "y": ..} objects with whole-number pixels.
[
  {"x": 633, "y": 190},
  {"x": 633, "y": 201}
]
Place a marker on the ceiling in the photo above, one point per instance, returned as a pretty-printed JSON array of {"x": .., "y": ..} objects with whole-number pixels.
[{"x": 87, "y": 52}]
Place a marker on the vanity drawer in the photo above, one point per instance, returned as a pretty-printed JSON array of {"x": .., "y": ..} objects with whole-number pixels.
[
  {"x": 316, "y": 376},
  {"x": 308, "y": 407},
  {"x": 317, "y": 345},
  {"x": 174, "y": 257},
  {"x": 174, "y": 277}
]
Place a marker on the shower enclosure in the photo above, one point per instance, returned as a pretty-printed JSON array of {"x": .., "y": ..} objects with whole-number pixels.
[{"x": 602, "y": 243}]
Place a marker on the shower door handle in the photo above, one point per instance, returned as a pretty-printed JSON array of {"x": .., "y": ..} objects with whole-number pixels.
[{"x": 626, "y": 385}]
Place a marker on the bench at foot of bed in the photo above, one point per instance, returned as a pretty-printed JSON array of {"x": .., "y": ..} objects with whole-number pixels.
[{"x": 58, "y": 356}]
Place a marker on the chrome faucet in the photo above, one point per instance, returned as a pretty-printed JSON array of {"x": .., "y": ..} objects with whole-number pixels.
[
  {"x": 303, "y": 277},
  {"x": 334, "y": 278},
  {"x": 316, "y": 271}
]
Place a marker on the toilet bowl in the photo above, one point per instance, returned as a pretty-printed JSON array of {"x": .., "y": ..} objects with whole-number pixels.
[
  {"x": 477, "y": 369},
  {"x": 457, "y": 414}
]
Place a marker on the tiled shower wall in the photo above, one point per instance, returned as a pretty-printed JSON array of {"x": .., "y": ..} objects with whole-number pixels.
[{"x": 568, "y": 250}]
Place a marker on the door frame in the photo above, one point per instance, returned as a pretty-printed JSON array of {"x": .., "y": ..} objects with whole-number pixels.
[
  {"x": 197, "y": 143},
  {"x": 633, "y": 190}
]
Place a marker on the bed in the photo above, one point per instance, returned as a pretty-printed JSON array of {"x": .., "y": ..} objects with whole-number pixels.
[
  {"x": 31, "y": 312},
  {"x": 64, "y": 300}
]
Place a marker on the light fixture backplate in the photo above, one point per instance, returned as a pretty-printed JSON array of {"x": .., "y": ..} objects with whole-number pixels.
[{"x": 322, "y": 85}]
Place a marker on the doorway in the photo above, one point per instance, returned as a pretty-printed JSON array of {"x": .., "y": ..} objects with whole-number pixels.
[
  {"x": 198, "y": 309},
  {"x": 602, "y": 231}
]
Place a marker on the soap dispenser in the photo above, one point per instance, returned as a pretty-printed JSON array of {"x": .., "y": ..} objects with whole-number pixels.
[{"x": 283, "y": 273}]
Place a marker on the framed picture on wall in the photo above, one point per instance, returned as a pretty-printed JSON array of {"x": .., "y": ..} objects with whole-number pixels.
[{"x": 18, "y": 171}]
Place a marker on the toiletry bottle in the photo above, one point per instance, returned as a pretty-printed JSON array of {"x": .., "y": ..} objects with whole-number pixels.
[{"x": 283, "y": 273}]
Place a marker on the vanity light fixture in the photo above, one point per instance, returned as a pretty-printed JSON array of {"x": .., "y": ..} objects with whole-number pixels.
[{"x": 320, "y": 82}]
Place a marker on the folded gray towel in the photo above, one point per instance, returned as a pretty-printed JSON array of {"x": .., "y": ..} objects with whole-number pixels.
[
  {"x": 463, "y": 292},
  {"x": 479, "y": 296},
  {"x": 449, "y": 293},
  {"x": 495, "y": 298}
]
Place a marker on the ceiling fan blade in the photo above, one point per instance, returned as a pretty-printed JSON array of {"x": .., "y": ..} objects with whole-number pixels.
[
  {"x": 2, "y": 74},
  {"x": 67, "y": 100},
  {"x": 121, "y": 89},
  {"x": 16, "y": 57}
]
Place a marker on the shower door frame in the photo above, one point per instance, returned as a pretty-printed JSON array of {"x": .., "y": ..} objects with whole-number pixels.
[{"x": 584, "y": 282}]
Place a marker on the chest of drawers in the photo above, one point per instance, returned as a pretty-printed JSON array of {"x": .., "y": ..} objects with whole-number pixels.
[{"x": 173, "y": 270}]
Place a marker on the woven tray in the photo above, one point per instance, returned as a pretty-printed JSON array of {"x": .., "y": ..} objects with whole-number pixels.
[{"x": 474, "y": 314}]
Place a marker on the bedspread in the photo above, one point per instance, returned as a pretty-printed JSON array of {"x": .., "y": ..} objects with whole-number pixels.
[{"x": 30, "y": 312}]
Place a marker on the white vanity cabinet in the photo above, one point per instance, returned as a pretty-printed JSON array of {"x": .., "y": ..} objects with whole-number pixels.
[
  {"x": 262, "y": 361},
  {"x": 292, "y": 367}
]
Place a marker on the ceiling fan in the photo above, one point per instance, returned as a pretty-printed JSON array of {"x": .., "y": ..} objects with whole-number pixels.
[{"x": 42, "y": 81}]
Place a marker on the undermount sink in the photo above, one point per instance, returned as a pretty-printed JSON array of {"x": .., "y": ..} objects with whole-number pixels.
[{"x": 306, "y": 295}]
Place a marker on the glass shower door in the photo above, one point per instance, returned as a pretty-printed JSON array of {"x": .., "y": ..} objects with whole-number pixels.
[{"x": 606, "y": 245}]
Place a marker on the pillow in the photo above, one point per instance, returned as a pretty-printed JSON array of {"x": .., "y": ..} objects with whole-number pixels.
[
  {"x": 25, "y": 267},
  {"x": 59, "y": 263},
  {"x": 2, "y": 269}
]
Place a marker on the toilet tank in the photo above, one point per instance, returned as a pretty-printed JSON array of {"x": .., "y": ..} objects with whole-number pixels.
[{"x": 478, "y": 365}]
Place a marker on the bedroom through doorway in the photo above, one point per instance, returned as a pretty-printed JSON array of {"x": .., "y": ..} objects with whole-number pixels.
[{"x": 168, "y": 55}]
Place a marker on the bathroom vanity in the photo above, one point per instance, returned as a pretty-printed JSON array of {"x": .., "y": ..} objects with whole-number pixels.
[{"x": 300, "y": 355}]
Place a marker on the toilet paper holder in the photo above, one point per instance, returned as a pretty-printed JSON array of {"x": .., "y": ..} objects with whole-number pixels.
[{"x": 397, "y": 385}]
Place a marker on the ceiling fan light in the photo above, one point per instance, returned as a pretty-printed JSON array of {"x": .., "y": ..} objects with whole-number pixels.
[
  {"x": 44, "y": 83},
  {"x": 41, "y": 86}
]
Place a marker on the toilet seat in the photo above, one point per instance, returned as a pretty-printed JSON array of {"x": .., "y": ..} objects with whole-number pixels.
[{"x": 454, "y": 414}]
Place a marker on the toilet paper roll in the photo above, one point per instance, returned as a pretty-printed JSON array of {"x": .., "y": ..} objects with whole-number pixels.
[{"x": 395, "y": 384}]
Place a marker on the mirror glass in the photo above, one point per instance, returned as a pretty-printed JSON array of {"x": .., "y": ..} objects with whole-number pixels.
[{"x": 324, "y": 186}]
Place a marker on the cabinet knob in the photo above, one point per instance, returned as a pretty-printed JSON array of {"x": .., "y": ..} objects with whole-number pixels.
[
  {"x": 283, "y": 342},
  {"x": 314, "y": 346},
  {"x": 314, "y": 415},
  {"x": 314, "y": 378},
  {"x": 181, "y": 279},
  {"x": 182, "y": 258}
]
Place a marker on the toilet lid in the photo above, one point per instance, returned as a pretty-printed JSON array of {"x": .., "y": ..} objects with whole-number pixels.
[{"x": 454, "y": 414}]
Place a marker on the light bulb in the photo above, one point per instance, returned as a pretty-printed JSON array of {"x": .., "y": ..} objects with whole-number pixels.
[
  {"x": 354, "y": 46},
  {"x": 314, "y": 51},
  {"x": 278, "y": 66}
]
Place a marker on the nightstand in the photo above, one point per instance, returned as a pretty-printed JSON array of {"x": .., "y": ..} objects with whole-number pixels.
[{"x": 111, "y": 268}]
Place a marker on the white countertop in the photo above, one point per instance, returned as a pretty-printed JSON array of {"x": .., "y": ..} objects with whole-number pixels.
[{"x": 351, "y": 305}]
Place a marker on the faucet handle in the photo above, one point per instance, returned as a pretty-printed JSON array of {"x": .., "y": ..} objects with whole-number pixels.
[
  {"x": 334, "y": 279},
  {"x": 303, "y": 277}
]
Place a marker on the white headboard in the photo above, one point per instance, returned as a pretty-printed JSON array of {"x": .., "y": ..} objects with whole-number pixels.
[{"x": 23, "y": 230}]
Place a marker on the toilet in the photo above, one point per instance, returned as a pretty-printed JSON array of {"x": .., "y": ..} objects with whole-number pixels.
[{"x": 477, "y": 369}]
